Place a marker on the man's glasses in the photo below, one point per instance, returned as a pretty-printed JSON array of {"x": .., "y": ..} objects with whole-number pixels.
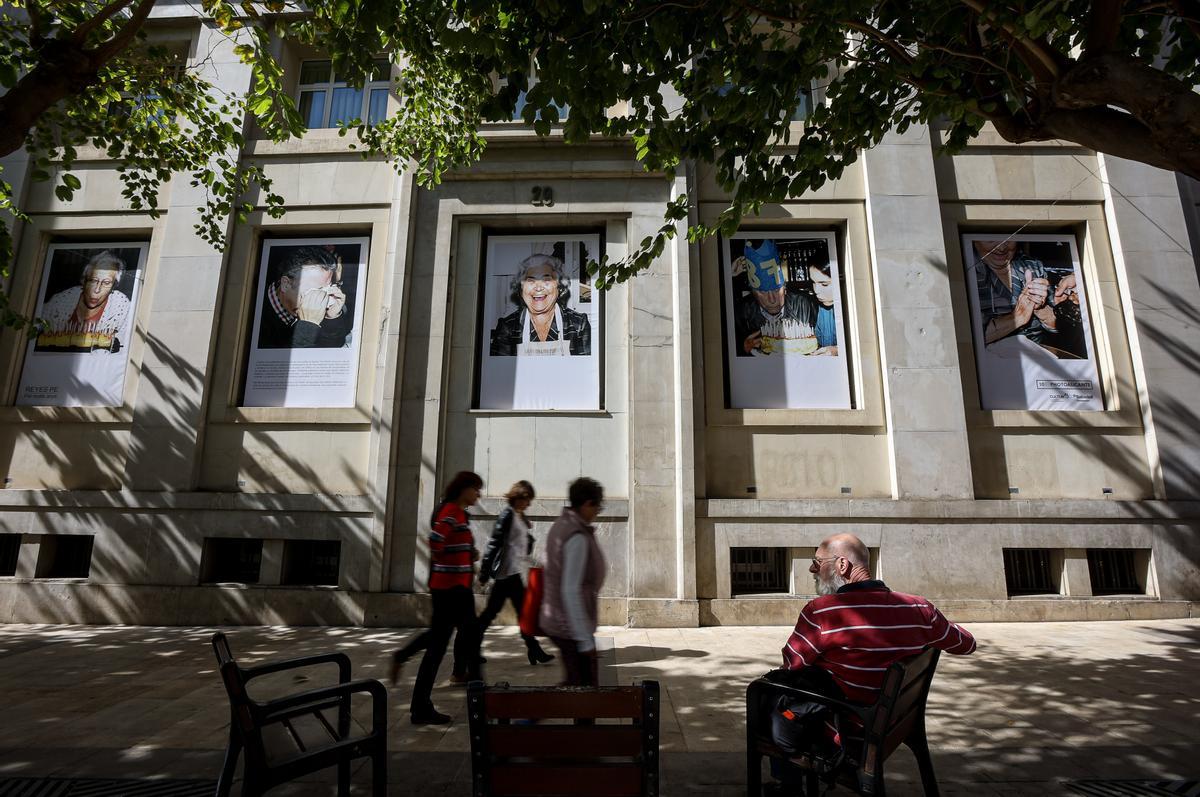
[{"x": 817, "y": 561}]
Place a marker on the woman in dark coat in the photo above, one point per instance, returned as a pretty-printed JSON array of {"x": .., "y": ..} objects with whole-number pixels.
[{"x": 505, "y": 562}]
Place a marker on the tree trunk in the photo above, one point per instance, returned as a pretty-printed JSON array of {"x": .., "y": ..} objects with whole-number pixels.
[
  {"x": 1119, "y": 106},
  {"x": 65, "y": 69}
]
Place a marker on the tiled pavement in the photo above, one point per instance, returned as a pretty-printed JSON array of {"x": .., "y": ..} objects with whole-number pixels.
[{"x": 1038, "y": 704}]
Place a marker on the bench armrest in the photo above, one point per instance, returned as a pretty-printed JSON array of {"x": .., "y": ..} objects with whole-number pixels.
[
  {"x": 763, "y": 685},
  {"x": 342, "y": 691},
  {"x": 340, "y": 659}
]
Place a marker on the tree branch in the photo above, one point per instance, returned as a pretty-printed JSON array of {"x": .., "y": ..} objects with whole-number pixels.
[
  {"x": 80, "y": 34},
  {"x": 1045, "y": 62},
  {"x": 37, "y": 24},
  {"x": 124, "y": 36},
  {"x": 1189, "y": 12},
  {"x": 896, "y": 47},
  {"x": 1104, "y": 23}
]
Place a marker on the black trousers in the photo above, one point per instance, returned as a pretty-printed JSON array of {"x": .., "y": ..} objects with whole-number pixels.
[
  {"x": 580, "y": 668},
  {"x": 453, "y": 609},
  {"x": 510, "y": 589}
]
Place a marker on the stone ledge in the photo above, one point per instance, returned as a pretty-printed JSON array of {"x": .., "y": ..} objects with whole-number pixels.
[
  {"x": 123, "y": 500},
  {"x": 1074, "y": 509},
  {"x": 103, "y": 604},
  {"x": 784, "y": 611},
  {"x": 662, "y": 613},
  {"x": 98, "y": 604}
]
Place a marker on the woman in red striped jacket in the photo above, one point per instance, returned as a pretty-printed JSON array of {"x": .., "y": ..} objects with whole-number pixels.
[{"x": 452, "y": 554}]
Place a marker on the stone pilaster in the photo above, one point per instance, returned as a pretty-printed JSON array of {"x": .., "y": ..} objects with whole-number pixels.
[{"x": 922, "y": 382}]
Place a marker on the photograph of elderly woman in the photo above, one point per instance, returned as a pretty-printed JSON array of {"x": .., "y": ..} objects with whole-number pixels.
[
  {"x": 539, "y": 325},
  {"x": 542, "y": 322},
  {"x": 85, "y": 318}
]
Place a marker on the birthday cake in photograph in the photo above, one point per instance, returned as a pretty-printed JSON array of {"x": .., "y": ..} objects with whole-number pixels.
[
  {"x": 788, "y": 336},
  {"x": 79, "y": 338}
]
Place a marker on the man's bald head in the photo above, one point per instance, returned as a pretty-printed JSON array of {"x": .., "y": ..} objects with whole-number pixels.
[
  {"x": 850, "y": 547},
  {"x": 841, "y": 559}
]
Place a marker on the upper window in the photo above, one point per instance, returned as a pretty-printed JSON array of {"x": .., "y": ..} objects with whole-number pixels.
[
  {"x": 804, "y": 107},
  {"x": 518, "y": 114},
  {"x": 326, "y": 100}
]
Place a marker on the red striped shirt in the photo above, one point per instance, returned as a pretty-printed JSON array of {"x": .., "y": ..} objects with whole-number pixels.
[
  {"x": 860, "y": 631},
  {"x": 451, "y": 549}
]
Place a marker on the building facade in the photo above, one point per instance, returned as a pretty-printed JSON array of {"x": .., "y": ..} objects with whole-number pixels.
[{"x": 216, "y": 477}]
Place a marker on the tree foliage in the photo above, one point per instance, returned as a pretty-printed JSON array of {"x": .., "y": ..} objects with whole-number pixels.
[{"x": 686, "y": 80}]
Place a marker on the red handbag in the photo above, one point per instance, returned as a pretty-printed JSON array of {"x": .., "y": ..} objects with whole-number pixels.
[{"x": 533, "y": 603}]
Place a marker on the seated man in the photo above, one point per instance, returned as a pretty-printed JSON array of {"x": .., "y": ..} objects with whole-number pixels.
[{"x": 857, "y": 627}]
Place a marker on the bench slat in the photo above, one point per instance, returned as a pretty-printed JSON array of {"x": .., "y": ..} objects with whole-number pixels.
[
  {"x": 586, "y": 781},
  {"x": 556, "y": 741},
  {"x": 596, "y": 703}
]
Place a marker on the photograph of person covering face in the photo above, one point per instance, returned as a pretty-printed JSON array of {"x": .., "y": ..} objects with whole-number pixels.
[
  {"x": 94, "y": 312},
  {"x": 305, "y": 303},
  {"x": 542, "y": 324},
  {"x": 784, "y": 298},
  {"x": 1029, "y": 288}
]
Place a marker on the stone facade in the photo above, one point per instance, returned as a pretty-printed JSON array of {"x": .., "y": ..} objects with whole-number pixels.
[{"x": 934, "y": 484}]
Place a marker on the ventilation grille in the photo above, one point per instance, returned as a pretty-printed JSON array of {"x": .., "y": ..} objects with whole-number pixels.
[
  {"x": 1114, "y": 571},
  {"x": 231, "y": 561},
  {"x": 758, "y": 570},
  {"x": 311, "y": 562},
  {"x": 1027, "y": 572},
  {"x": 10, "y": 548},
  {"x": 65, "y": 556}
]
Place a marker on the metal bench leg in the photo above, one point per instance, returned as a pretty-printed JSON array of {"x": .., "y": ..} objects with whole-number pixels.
[
  {"x": 753, "y": 774},
  {"x": 225, "y": 783},
  {"x": 920, "y": 747},
  {"x": 379, "y": 767},
  {"x": 344, "y": 777}
]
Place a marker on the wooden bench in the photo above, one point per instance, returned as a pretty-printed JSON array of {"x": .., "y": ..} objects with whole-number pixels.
[
  {"x": 896, "y": 718},
  {"x": 520, "y": 744},
  {"x": 289, "y": 737}
]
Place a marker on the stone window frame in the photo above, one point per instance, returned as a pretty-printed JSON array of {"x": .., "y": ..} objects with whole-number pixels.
[
  {"x": 859, "y": 319},
  {"x": 1114, "y": 359},
  {"x": 42, "y": 231},
  {"x": 236, "y": 314}
]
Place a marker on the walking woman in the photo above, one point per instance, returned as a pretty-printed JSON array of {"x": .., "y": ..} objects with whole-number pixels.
[
  {"x": 506, "y": 560},
  {"x": 575, "y": 570},
  {"x": 452, "y": 571}
]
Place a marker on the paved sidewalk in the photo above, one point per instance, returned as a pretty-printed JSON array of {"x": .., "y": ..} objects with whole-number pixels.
[{"x": 1048, "y": 702}]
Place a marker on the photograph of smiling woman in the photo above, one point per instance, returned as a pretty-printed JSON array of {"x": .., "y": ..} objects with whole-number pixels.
[
  {"x": 542, "y": 323},
  {"x": 89, "y": 295}
]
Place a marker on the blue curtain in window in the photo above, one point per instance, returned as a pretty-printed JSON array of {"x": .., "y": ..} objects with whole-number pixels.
[
  {"x": 347, "y": 105},
  {"x": 378, "y": 110},
  {"x": 312, "y": 108}
]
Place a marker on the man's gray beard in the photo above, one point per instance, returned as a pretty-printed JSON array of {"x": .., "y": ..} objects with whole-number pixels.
[{"x": 830, "y": 586}]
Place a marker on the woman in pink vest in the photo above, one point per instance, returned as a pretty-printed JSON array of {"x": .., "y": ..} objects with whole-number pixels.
[{"x": 575, "y": 570}]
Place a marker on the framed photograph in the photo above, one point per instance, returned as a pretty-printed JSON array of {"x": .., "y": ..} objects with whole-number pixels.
[
  {"x": 785, "y": 339},
  {"x": 87, "y": 305},
  {"x": 1029, "y": 321},
  {"x": 307, "y": 326},
  {"x": 540, "y": 324}
]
